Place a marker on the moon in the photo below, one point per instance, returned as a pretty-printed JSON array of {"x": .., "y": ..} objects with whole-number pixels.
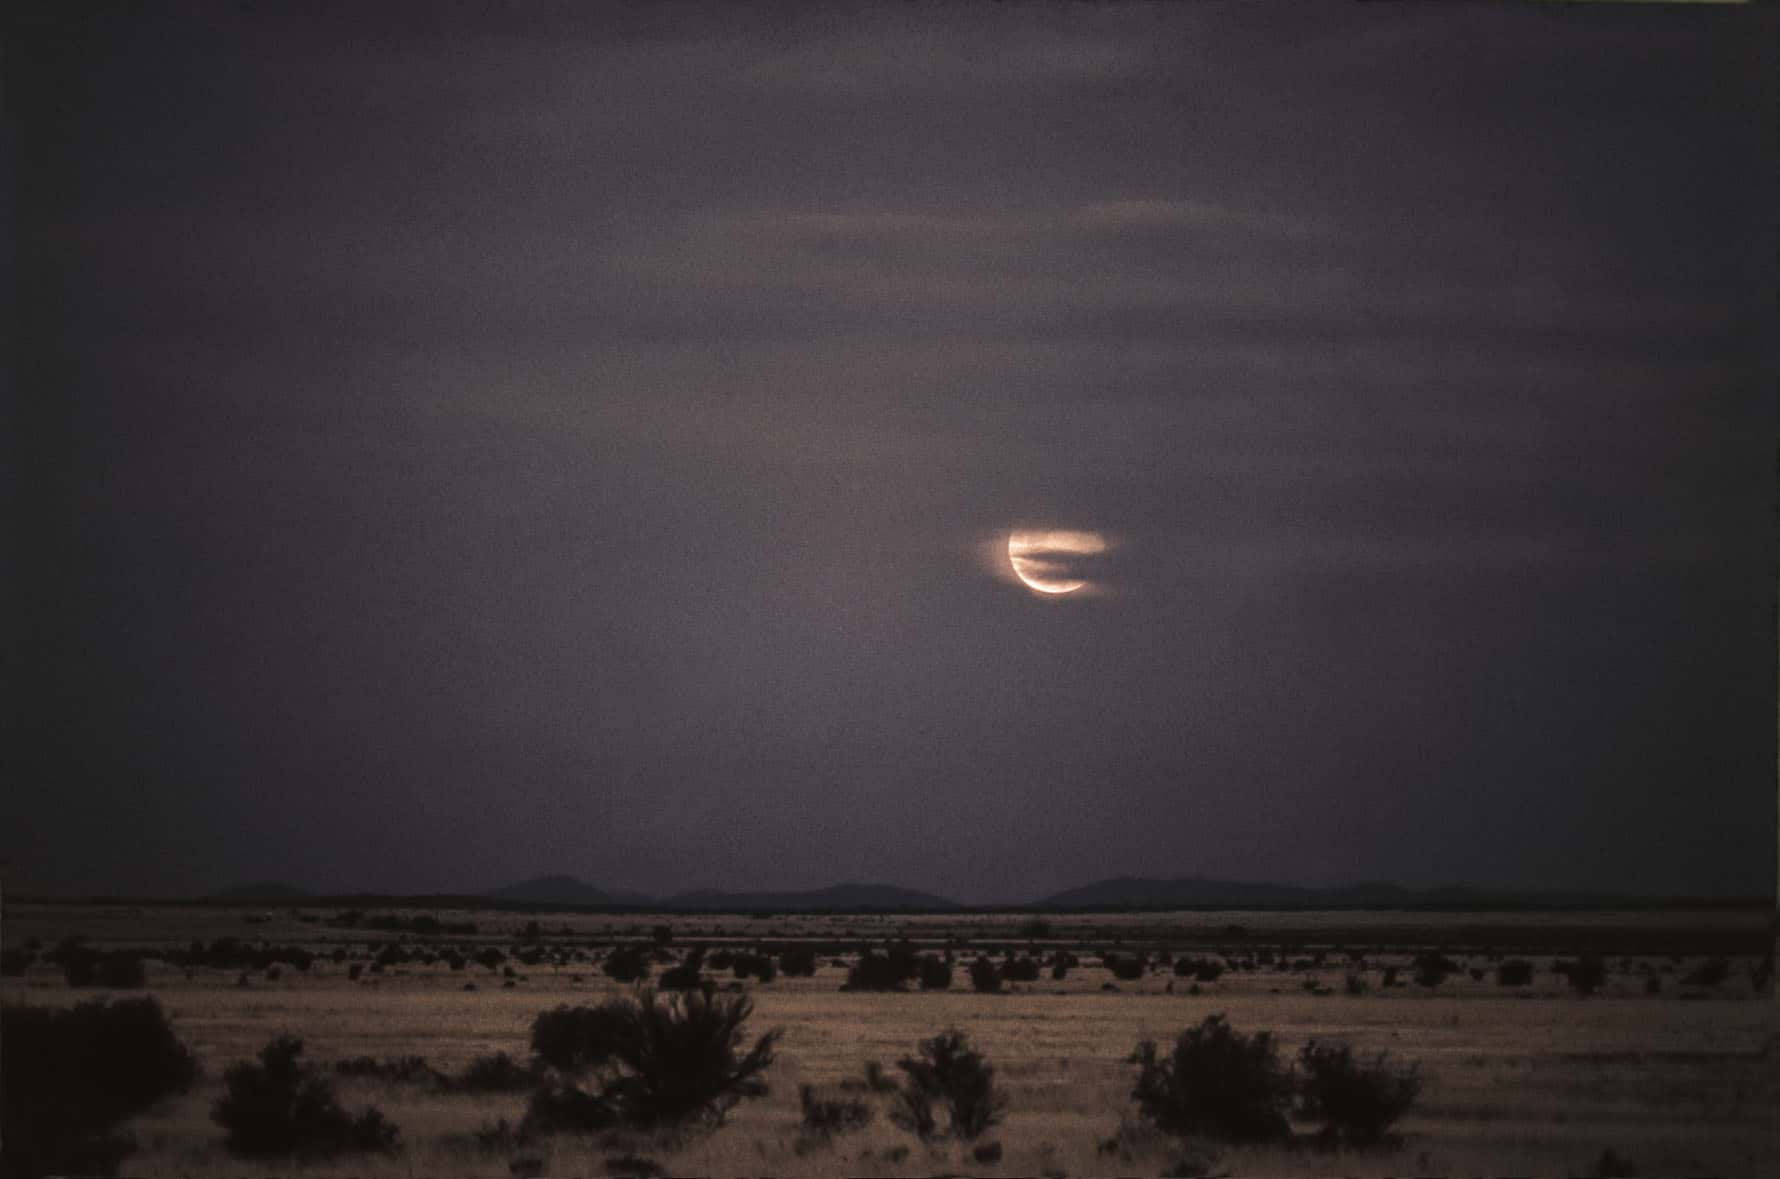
[{"x": 1046, "y": 561}]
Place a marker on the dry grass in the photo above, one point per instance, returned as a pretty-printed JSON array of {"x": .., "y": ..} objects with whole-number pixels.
[{"x": 1530, "y": 1085}]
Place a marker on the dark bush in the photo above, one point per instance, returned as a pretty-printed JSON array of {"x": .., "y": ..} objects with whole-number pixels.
[
  {"x": 490, "y": 958},
  {"x": 575, "y": 1039},
  {"x": 1356, "y": 1099},
  {"x": 498, "y": 1073},
  {"x": 826, "y": 1117},
  {"x": 1432, "y": 968},
  {"x": 1125, "y": 967},
  {"x": 70, "y": 1076},
  {"x": 798, "y": 963},
  {"x": 889, "y": 971},
  {"x": 1586, "y": 974},
  {"x": 1515, "y": 972},
  {"x": 948, "y": 1073},
  {"x": 1059, "y": 968},
  {"x": 14, "y": 960},
  {"x": 1201, "y": 969},
  {"x": 558, "y": 1106},
  {"x": 627, "y": 964},
  {"x": 283, "y": 1107},
  {"x": 688, "y": 974},
  {"x": 985, "y": 976},
  {"x": 1216, "y": 1083},
  {"x": 1020, "y": 970},
  {"x": 684, "y": 1061},
  {"x": 395, "y": 1069},
  {"x": 936, "y": 973},
  {"x": 1710, "y": 973},
  {"x": 757, "y": 966},
  {"x": 121, "y": 971}
]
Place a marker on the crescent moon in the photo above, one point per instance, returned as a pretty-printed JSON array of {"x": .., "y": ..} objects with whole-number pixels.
[{"x": 1041, "y": 560}]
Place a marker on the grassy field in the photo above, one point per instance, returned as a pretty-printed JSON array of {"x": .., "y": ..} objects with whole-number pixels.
[{"x": 1529, "y": 1080}]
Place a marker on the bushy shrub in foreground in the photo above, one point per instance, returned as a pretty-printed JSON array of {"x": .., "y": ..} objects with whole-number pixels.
[
  {"x": 70, "y": 1076},
  {"x": 575, "y": 1039},
  {"x": 685, "y": 1059},
  {"x": 281, "y": 1106},
  {"x": 1215, "y": 1083},
  {"x": 1357, "y": 1099},
  {"x": 947, "y": 1074},
  {"x": 688, "y": 974}
]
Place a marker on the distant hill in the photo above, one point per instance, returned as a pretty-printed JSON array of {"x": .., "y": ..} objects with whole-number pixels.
[
  {"x": 1192, "y": 892},
  {"x": 835, "y": 898},
  {"x": 262, "y": 890},
  {"x": 558, "y": 889}
]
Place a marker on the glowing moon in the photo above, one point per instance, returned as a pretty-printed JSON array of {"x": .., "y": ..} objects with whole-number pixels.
[{"x": 1047, "y": 562}]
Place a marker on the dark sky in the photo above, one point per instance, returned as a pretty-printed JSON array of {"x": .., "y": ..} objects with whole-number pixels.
[{"x": 467, "y": 442}]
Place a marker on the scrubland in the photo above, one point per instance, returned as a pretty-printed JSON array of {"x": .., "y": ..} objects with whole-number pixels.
[{"x": 1670, "y": 1065}]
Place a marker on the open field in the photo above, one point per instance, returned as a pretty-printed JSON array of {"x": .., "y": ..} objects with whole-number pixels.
[{"x": 1678, "y": 1076}]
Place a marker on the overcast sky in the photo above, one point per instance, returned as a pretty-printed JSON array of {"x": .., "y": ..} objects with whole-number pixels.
[{"x": 468, "y": 442}]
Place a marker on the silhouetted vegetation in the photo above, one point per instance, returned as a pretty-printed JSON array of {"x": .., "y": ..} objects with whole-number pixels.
[
  {"x": 281, "y": 1106},
  {"x": 798, "y": 963},
  {"x": 1710, "y": 973},
  {"x": 627, "y": 964},
  {"x": 1215, "y": 1083},
  {"x": 1515, "y": 972},
  {"x": 688, "y": 975},
  {"x": 891, "y": 970},
  {"x": 1125, "y": 967},
  {"x": 985, "y": 976},
  {"x": 685, "y": 1059},
  {"x": 947, "y": 1074},
  {"x": 1432, "y": 968},
  {"x": 1356, "y": 1099},
  {"x": 936, "y": 973},
  {"x": 70, "y": 1076},
  {"x": 498, "y": 1073},
  {"x": 574, "y": 1039},
  {"x": 826, "y": 1117},
  {"x": 1586, "y": 974}
]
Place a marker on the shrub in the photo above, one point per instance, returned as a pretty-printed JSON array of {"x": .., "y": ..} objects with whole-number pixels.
[
  {"x": 282, "y": 1107},
  {"x": 1356, "y": 985},
  {"x": 71, "y": 1076},
  {"x": 685, "y": 1062},
  {"x": 1356, "y": 1099},
  {"x": 1515, "y": 972},
  {"x": 499, "y": 1073},
  {"x": 936, "y": 973},
  {"x": 1059, "y": 968},
  {"x": 1125, "y": 967},
  {"x": 1431, "y": 968},
  {"x": 1201, "y": 969},
  {"x": 490, "y": 957},
  {"x": 826, "y": 1117},
  {"x": 985, "y": 976},
  {"x": 395, "y": 1069},
  {"x": 948, "y": 1073},
  {"x": 688, "y": 974},
  {"x": 798, "y": 963},
  {"x": 1020, "y": 970},
  {"x": 1586, "y": 974},
  {"x": 14, "y": 960},
  {"x": 575, "y": 1039},
  {"x": 1216, "y": 1083},
  {"x": 758, "y": 966},
  {"x": 627, "y": 964},
  {"x": 1710, "y": 973},
  {"x": 889, "y": 971},
  {"x": 558, "y": 1106}
]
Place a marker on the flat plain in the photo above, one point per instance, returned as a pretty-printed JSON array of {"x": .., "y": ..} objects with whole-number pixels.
[{"x": 1668, "y": 1071}]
